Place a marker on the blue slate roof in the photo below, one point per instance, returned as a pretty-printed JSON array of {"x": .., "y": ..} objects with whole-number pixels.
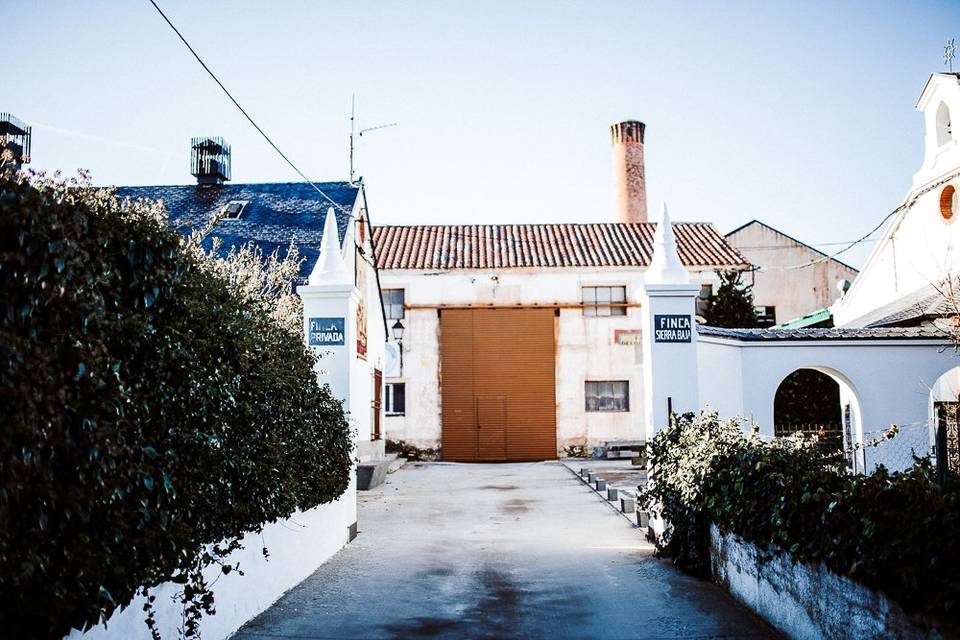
[{"x": 276, "y": 213}]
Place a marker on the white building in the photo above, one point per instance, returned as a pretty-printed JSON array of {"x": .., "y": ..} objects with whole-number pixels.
[
  {"x": 522, "y": 342},
  {"x": 899, "y": 283}
]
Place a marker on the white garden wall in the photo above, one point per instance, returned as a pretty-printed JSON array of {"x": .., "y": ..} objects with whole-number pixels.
[
  {"x": 804, "y": 600},
  {"x": 890, "y": 382},
  {"x": 297, "y": 546}
]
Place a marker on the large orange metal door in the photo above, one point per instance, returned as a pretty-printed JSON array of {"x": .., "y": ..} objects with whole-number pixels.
[{"x": 498, "y": 385}]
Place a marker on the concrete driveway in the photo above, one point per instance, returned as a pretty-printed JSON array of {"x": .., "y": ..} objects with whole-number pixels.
[{"x": 497, "y": 551}]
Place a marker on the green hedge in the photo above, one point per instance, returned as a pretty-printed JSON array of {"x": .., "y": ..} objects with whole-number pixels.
[
  {"x": 147, "y": 412},
  {"x": 893, "y": 532}
]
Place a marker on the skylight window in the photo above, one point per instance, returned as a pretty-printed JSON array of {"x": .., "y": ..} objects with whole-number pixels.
[{"x": 234, "y": 208}]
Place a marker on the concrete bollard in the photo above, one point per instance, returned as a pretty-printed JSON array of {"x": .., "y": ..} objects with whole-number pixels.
[
  {"x": 601, "y": 485},
  {"x": 628, "y": 504},
  {"x": 612, "y": 494},
  {"x": 591, "y": 477},
  {"x": 584, "y": 472},
  {"x": 643, "y": 519}
]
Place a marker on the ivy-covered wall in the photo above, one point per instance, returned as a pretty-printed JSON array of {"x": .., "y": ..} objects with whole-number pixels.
[
  {"x": 892, "y": 532},
  {"x": 151, "y": 414}
]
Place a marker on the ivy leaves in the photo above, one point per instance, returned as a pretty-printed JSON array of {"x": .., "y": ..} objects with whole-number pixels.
[
  {"x": 152, "y": 413},
  {"x": 893, "y": 532}
]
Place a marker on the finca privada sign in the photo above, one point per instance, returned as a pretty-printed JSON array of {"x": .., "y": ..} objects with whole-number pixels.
[
  {"x": 671, "y": 328},
  {"x": 326, "y": 332}
]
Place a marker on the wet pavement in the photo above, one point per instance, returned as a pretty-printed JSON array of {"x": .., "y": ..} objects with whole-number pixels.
[{"x": 497, "y": 551}]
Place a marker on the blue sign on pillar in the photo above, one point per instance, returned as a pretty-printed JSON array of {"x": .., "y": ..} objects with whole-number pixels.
[
  {"x": 326, "y": 332},
  {"x": 672, "y": 328}
]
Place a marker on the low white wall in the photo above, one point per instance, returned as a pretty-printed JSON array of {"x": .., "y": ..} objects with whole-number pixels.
[
  {"x": 889, "y": 381},
  {"x": 803, "y": 600},
  {"x": 297, "y": 546}
]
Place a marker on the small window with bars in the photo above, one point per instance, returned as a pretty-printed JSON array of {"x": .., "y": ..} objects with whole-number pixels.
[
  {"x": 608, "y": 395},
  {"x": 393, "y": 303},
  {"x": 604, "y": 301},
  {"x": 396, "y": 399}
]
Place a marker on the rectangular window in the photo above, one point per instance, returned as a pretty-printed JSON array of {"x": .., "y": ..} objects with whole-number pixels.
[
  {"x": 766, "y": 316},
  {"x": 604, "y": 301},
  {"x": 396, "y": 404},
  {"x": 608, "y": 396},
  {"x": 393, "y": 303}
]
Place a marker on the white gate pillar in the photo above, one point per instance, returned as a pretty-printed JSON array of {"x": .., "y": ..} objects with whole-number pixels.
[
  {"x": 330, "y": 302},
  {"x": 669, "y": 335}
]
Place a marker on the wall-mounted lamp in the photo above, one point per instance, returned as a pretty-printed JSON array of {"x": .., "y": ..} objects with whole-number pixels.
[{"x": 397, "y": 331}]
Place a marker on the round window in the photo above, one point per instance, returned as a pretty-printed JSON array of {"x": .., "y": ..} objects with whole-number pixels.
[{"x": 948, "y": 202}]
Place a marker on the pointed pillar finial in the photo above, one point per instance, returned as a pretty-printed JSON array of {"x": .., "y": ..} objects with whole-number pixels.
[
  {"x": 330, "y": 267},
  {"x": 665, "y": 266}
]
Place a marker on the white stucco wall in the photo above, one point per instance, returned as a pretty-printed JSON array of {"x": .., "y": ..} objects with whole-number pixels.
[
  {"x": 297, "y": 546},
  {"x": 359, "y": 402},
  {"x": 777, "y": 282},
  {"x": 918, "y": 247},
  {"x": 805, "y": 600},
  {"x": 586, "y": 347},
  {"x": 890, "y": 380}
]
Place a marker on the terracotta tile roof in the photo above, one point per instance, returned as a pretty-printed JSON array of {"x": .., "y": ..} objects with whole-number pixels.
[{"x": 499, "y": 246}]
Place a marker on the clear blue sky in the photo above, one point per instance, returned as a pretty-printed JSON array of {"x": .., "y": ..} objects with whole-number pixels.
[{"x": 799, "y": 114}]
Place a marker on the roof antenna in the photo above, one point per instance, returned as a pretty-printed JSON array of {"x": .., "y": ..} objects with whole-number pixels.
[
  {"x": 949, "y": 53},
  {"x": 354, "y": 133}
]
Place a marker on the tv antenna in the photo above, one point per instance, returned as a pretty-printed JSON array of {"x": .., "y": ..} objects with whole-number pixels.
[
  {"x": 949, "y": 53},
  {"x": 359, "y": 134}
]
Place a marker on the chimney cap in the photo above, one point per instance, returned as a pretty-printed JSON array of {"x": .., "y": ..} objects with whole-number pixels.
[
  {"x": 16, "y": 137},
  {"x": 210, "y": 159},
  {"x": 627, "y": 131}
]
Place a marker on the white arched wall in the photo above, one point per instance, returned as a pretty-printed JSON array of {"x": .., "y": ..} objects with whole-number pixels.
[
  {"x": 848, "y": 395},
  {"x": 889, "y": 380}
]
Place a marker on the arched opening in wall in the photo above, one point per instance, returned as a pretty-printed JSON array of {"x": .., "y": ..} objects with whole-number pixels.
[
  {"x": 944, "y": 126},
  {"x": 817, "y": 404},
  {"x": 945, "y": 420}
]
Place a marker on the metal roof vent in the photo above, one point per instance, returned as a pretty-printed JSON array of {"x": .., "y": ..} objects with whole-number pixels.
[
  {"x": 210, "y": 160},
  {"x": 15, "y": 138}
]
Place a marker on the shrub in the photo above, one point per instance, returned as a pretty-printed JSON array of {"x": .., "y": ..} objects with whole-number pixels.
[
  {"x": 151, "y": 414},
  {"x": 894, "y": 532}
]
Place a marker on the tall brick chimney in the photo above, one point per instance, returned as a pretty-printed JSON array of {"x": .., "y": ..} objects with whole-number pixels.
[{"x": 628, "y": 174}]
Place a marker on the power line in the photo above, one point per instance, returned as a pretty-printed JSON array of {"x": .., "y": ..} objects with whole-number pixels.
[
  {"x": 244, "y": 112},
  {"x": 905, "y": 206}
]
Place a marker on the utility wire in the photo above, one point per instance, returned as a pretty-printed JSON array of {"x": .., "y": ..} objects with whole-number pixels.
[
  {"x": 244, "y": 112},
  {"x": 905, "y": 206}
]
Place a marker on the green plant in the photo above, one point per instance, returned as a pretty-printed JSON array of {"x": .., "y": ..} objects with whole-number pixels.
[
  {"x": 152, "y": 413},
  {"x": 732, "y": 305},
  {"x": 894, "y": 532}
]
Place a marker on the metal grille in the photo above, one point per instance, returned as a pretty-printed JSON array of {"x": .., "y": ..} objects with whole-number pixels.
[
  {"x": 16, "y": 136},
  {"x": 948, "y": 436},
  {"x": 210, "y": 158},
  {"x": 829, "y": 438}
]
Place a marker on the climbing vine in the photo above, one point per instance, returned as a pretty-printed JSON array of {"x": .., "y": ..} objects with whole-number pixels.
[
  {"x": 893, "y": 532},
  {"x": 152, "y": 413}
]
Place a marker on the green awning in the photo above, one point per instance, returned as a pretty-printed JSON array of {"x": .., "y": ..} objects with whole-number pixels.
[{"x": 817, "y": 317}]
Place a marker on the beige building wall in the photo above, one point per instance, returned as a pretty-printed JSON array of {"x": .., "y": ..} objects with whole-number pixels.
[
  {"x": 587, "y": 347},
  {"x": 777, "y": 283}
]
